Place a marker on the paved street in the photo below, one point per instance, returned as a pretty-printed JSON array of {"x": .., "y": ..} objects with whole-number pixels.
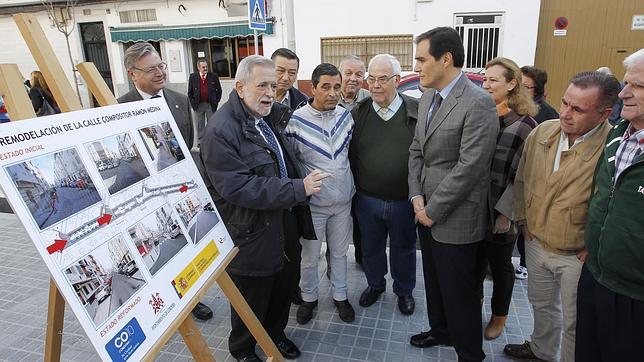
[
  {"x": 124, "y": 175},
  {"x": 167, "y": 249},
  {"x": 379, "y": 333},
  {"x": 203, "y": 222},
  {"x": 123, "y": 287},
  {"x": 165, "y": 158},
  {"x": 70, "y": 201}
]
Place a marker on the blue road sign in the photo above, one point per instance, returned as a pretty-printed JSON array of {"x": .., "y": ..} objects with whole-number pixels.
[{"x": 257, "y": 14}]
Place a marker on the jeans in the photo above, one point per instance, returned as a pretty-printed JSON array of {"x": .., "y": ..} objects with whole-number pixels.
[{"x": 378, "y": 219}]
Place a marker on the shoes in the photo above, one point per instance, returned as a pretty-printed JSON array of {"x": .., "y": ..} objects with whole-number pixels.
[
  {"x": 305, "y": 312},
  {"x": 406, "y": 304},
  {"x": 427, "y": 339},
  {"x": 521, "y": 273},
  {"x": 520, "y": 351},
  {"x": 288, "y": 349},
  {"x": 202, "y": 312},
  {"x": 250, "y": 357},
  {"x": 297, "y": 297},
  {"x": 369, "y": 296},
  {"x": 345, "y": 310},
  {"x": 495, "y": 327}
]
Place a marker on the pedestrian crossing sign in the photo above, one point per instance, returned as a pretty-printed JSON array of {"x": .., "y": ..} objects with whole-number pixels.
[{"x": 257, "y": 14}]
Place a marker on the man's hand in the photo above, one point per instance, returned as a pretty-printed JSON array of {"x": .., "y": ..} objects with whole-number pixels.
[
  {"x": 502, "y": 224},
  {"x": 581, "y": 256},
  {"x": 422, "y": 218},
  {"x": 313, "y": 182},
  {"x": 526, "y": 233}
]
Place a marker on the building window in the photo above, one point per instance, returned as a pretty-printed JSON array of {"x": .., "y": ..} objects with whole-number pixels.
[
  {"x": 223, "y": 55},
  {"x": 138, "y": 16},
  {"x": 400, "y": 46},
  {"x": 481, "y": 34}
]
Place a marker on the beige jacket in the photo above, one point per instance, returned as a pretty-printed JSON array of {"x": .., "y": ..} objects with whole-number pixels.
[{"x": 555, "y": 205}]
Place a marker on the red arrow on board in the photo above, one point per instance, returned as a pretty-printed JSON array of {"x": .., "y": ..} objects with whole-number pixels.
[
  {"x": 58, "y": 245},
  {"x": 183, "y": 188},
  {"x": 105, "y": 219}
]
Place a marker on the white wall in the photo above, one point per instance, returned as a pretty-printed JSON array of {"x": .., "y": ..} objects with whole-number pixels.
[{"x": 331, "y": 18}]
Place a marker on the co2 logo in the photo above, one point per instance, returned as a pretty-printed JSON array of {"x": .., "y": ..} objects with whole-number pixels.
[{"x": 121, "y": 339}]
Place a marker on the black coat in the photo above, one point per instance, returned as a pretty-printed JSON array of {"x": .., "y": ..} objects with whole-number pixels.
[
  {"x": 297, "y": 98},
  {"x": 214, "y": 90},
  {"x": 242, "y": 176}
]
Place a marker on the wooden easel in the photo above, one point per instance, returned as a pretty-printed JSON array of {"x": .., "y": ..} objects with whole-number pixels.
[{"x": 19, "y": 107}]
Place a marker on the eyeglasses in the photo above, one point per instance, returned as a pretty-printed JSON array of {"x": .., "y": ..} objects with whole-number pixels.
[
  {"x": 161, "y": 66},
  {"x": 530, "y": 87},
  {"x": 380, "y": 80}
]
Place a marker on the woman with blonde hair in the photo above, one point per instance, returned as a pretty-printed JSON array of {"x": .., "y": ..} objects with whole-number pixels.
[
  {"x": 515, "y": 108},
  {"x": 39, "y": 93}
]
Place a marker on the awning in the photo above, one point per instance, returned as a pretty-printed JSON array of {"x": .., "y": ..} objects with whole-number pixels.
[{"x": 201, "y": 31}]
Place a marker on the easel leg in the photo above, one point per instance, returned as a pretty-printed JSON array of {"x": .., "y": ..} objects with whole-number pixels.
[
  {"x": 194, "y": 340},
  {"x": 55, "y": 320},
  {"x": 250, "y": 320}
]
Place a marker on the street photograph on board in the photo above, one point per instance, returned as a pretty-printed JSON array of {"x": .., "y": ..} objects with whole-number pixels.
[
  {"x": 158, "y": 238},
  {"x": 54, "y": 186},
  {"x": 162, "y": 145},
  {"x": 105, "y": 279},
  {"x": 197, "y": 215},
  {"x": 118, "y": 161}
]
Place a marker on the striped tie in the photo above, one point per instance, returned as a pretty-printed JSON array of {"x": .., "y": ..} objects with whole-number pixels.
[{"x": 272, "y": 143}]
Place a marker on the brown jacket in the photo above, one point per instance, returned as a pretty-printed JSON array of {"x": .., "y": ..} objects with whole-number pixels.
[{"x": 555, "y": 205}]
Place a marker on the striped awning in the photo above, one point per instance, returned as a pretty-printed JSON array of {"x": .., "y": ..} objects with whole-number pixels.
[{"x": 201, "y": 31}]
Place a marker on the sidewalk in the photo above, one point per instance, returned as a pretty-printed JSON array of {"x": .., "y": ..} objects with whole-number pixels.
[{"x": 379, "y": 333}]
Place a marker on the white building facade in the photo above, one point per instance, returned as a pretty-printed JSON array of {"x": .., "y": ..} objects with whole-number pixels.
[{"x": 317, "y": 31}]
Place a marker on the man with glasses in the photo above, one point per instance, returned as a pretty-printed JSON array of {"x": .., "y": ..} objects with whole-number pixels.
[
  {"x": 379, "y": 150},
  {"x": 148, "y": 73},
  {"x": 286, "y": 66},
  {"x": 252, "y": 175}
]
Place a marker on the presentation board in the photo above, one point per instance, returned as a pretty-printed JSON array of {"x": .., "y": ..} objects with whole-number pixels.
[{"x": 117, "y": 209}]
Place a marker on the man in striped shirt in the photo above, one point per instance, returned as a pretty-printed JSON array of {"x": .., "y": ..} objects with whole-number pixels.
[{"x": 320, "y": 133}]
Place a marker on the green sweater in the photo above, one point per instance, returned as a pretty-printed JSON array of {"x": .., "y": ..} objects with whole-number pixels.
[
  {"x": 381, "y": 150},
  {"x": 614, "y": 232}
]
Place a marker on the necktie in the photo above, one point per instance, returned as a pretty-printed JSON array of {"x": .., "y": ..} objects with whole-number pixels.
[
  {"x": 437, "y": 103},
  {"x": 272, "y": 143},
  {"x": 383, "y": 113}
]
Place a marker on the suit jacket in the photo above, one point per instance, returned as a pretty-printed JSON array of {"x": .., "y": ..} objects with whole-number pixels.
[
  {"x": 214, "y": 90},
  {"x": 179, "y": 106},
  {"x": 449, "y": 162}
]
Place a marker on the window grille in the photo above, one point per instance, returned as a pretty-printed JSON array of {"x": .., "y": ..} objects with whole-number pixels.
[
  {"x": 365, "y": 47},
  {"x": 482, "y": 35}
]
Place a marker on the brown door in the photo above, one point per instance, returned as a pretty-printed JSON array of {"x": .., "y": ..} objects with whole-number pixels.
[{"x": 598, "y": 34}]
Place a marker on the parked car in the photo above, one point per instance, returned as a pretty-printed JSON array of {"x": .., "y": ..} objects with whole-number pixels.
[
  {"x": 409, "y": 85},
  {"x": 129, "y": 269},
  {"x": 102, "y": 294}
]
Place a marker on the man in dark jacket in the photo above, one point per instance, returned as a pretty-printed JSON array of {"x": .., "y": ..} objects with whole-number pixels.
[
  {"x": 286, "y": 66},
  {"x": 148, "y": 73},
  {"x": 610, "y": 294},
  {"x": 251, "y": 175},
  {"x": 204, "y": 92}
]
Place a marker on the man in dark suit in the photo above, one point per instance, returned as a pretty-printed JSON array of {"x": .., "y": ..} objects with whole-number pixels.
[
  {"x": 286, "y": 66},
  {"x": 252, "y": 176},
  {"x": 148, "y": 73},
  {"x": 449, "y": 171},
  {"x": 204, "y": 92}
]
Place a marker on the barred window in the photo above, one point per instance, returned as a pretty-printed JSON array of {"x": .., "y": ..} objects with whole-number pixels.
[
  {"x": 365, "y": 47},
  {"x": 481, "y": 34}
]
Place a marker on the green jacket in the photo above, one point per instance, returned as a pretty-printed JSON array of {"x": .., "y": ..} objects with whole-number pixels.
[{"x": 614, "y": 233}]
